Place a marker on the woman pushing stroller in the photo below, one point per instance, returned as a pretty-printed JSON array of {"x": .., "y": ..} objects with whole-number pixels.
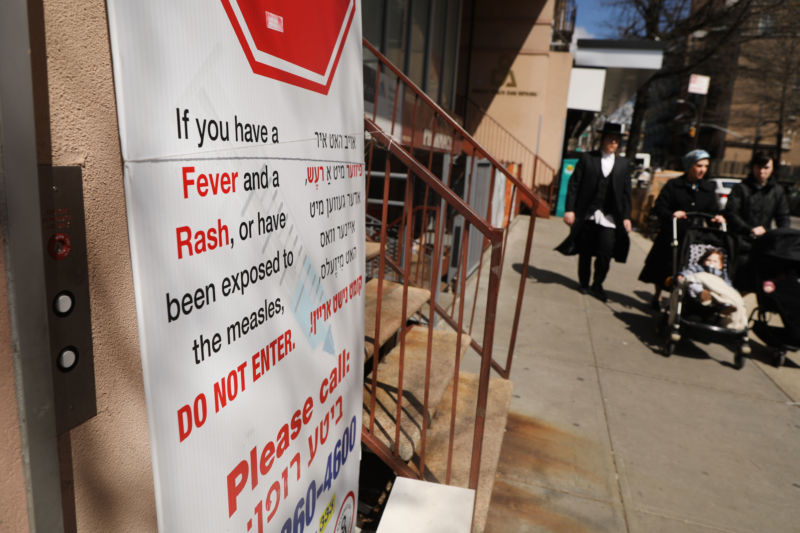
[
  {"x": 692, "y": 258},
  {"x": 688, "y": 192}
]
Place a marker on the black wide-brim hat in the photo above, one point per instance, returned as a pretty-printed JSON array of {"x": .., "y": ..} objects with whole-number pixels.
[{"x": 611, "y": 128}]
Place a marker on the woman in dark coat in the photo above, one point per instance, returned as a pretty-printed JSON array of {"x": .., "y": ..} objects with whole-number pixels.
[
  {"x": 752, "y": 206},
  {"x": 688, "y": 192}
]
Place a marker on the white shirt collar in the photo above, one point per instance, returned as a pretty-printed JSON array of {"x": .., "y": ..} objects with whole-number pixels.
[{"x": 607, "y": 163}]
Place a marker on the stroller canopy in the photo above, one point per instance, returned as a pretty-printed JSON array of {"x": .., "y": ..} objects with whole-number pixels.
[{"x": 781, "y": 243}]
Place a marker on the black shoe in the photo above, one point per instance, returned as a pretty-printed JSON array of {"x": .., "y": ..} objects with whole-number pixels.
[
  {"x": 583, "y": 289},
  {"x": 599, "y": 293}
]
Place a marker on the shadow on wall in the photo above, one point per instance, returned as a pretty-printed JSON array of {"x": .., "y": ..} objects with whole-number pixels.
[{"x": 493, "y": 34}]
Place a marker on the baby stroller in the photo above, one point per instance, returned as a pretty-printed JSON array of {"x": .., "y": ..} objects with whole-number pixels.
[
  {"x": 688, "y": 317},
  {"x": 775, "y": 263}
]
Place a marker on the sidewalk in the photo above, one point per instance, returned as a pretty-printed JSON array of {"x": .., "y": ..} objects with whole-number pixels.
[{"x": 606, "y": 434}]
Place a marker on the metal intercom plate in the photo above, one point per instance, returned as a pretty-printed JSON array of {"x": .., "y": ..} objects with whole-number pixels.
[{"x": 67, "y": 284}]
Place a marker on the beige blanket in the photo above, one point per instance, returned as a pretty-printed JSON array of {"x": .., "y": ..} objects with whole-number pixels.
[{"x": 724, "y": 294}]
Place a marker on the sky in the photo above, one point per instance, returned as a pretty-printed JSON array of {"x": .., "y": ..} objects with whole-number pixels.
[{"x": 591, "y": 20}]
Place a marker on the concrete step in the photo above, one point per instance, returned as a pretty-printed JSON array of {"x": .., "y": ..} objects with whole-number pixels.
[
  {"x": 494, "y": 430},
  {"x": 424, "y": 507},
  {"x": 373, "y": 249},
  {"x": 391, "y": 310},
  {"x": 411, "y": 421}
]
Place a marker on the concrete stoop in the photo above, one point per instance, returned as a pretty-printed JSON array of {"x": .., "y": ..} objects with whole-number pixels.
[
  {"x": 413, "y": 417},
  {"x": 439, "y": 435},
  {"x": 373, "y": 249},
  {"x": 391, "y": 310},
  {"x": 386, "y": 397}
]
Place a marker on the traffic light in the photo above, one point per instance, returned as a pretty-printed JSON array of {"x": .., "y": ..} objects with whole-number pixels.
[{"x": 692, "y": 131}]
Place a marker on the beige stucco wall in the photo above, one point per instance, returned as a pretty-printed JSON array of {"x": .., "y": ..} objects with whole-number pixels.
[
  {"x": 13, "y": 504},
  {"x": 531, "y": 100},
  {"x": 555, "y": 106},
  {"x": 110, "y": 453}
]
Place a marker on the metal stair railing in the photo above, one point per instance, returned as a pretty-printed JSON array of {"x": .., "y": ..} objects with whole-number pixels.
[
  {"x": 531, "y": 168},
  {"x": 407, "y": 132},
  {"x": 421, "y": 247}
]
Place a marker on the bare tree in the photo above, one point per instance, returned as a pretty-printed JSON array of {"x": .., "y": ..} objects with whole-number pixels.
[
  {"x": 694, "y": 33},
  {"x": 768, "y": 79}
]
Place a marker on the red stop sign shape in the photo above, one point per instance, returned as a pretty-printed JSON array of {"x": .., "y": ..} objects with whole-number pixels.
[{"x": 293, "y": 41}]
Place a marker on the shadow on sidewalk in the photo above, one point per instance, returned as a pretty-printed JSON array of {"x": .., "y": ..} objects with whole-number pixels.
[
  {"x": 546, "y": 276},
  {"x": 643, "y": 321},
  {"x": 765, "y": 354},
  {"x": 646, "y": 329}
]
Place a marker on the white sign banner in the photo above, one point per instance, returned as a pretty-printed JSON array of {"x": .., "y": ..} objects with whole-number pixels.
[{"x": 242, "y": 137}]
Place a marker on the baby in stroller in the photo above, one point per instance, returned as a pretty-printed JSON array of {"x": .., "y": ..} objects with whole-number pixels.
[
  {"x": 703, "y": 304},
  {"x": 707, "y": 281}
]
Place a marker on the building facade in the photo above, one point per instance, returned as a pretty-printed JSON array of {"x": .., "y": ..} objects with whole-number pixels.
[{"x": 488, "y": 62}]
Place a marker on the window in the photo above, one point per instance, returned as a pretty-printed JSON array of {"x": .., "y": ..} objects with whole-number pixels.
[
  {"x": 438, "y": 35},
  {"x": 419, "y": 36},
  {"x": 396, "y": 23},
  {"x": 766, "y": 23},
  {"x": 418, "y": 39},
  {"x": 372, "y": 16}
]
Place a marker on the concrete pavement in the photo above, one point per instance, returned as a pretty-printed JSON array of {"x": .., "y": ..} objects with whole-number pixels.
[{"x": 606, "y": 434}]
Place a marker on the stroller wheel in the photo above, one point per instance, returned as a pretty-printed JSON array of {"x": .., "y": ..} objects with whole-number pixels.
[
  {"x": 669, "y": 347},
  {"x": 661, "y": 323},
  {"x": 780, "y": 358},
  {"x": 745, "y": 348},
  {"x": 738, "y": 359}
]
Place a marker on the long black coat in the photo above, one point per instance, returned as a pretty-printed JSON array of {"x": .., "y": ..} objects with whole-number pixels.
[
  {"x": 750, "y": 205},
  {"x": 677, "y": 195},
  {"x": 581, "y": 191}
]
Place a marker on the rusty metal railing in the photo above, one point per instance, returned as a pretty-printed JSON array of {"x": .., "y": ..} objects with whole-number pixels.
[
  {"x": 505, "y": 146},
  {"x": 448, "y": 193},
  {"x": 422, "y": 246}
]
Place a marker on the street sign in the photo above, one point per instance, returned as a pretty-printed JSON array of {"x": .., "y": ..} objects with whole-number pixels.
[
  {"x": 698, "y": 84},
  {"x": 289, "y": 42}
]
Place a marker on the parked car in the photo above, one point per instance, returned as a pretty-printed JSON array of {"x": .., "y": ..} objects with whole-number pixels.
[
  {"x": 640, "y": 178},
  {"x": 723, "y": 186}
]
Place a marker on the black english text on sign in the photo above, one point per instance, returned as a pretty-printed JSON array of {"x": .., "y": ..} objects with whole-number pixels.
[{"x": 215, "y": 131}]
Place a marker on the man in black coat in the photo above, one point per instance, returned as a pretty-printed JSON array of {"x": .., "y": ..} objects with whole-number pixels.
[{"x": 598, "y": 211}]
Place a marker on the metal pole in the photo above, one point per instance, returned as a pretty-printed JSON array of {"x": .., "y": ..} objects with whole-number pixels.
[{"x": 20, "y": 220}]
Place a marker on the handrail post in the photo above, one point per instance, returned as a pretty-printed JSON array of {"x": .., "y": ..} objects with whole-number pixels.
[
  {"x": 488, "y": 340},
  {"x": 505, "y": 372}
]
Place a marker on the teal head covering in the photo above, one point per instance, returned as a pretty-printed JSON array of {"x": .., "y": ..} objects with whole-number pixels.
[{"x": 693, "y": 157}]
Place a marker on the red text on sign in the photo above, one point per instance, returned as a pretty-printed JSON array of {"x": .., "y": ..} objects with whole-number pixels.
[
  {"x": 336, "y": 376},
  {"x": 260, "y": 464},
  {"x": 320, "y": 435},
  {"x": 197, "y": 242},
  {"x": 271, "y": 353},
  {"x": 331, "y": 306},
  {"x": 224, "y": 182},
  {"x": 192, "y": 416},
  {"x": 228, "y": 387}
]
